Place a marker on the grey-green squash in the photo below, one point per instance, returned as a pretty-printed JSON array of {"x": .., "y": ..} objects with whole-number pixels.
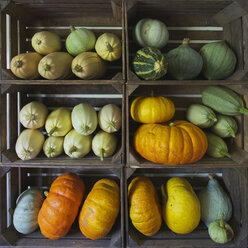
[
  {"x": 149, "y": 64},
  {"x": 225, "y": 127},
  {"x": 201, "y": 115},
  {"x": 28, "y": 204},
  {"x": 223, "y": 100},
  {"x": 217, "y": 147},
  {"x": 214, "y": 202},
  {"x": 219, "y": 60},
  {"x": 184, "y": 62}
]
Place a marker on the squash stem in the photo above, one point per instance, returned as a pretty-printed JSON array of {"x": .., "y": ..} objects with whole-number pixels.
[
  {"x": 52, "y": 131},
  {"x": 226, "y": 154},
  {"x": 210, "y": 177},
  {"x": 109, "y": 47},
  {"x": 101, "y": 154},
  {"x": 185, "y": 41},
  {"x": 212, "y": 117},
  {"x": 243, "y": 111},
  {"x": 11, "y": 211},
  {"x": 72, "y": 149},
  {"x": 78, "y": 68},
  {"x": 222, "y": 221},
  {"x": 46, "y": 193},
  {"x": 231, "y": 131},
  {"x": 18, "y": 64},
  {"x": 47, "y": 67},
  {"x": 26, "y": 153},
  {"x": 112, "y": 125},
  {"x": 38, "y": 42},
  {"x": 171, "y": 124},
  {"x": 158, "y": 66},
  {"x": 50, "y": 151},
  {"x": 72, "y": 28},
  {"x": 85, "y": 128}
]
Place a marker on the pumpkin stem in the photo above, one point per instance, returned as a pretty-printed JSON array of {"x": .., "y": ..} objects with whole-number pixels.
[
  {"x": 78, "y": 68},
  {"x": 210, "y": 177},
  {"x": 52, "y": 131},
  {"x": 185, "y": 41},
  {"x": 85, "y": 128},
  {"x": 109, "y": 47},
  {"x": 72, "y": 28},
  {"x": 26, "y": 153},
  {"x": 38, "y": 42},
  {"x": 112, "y": 125},
  {"x": 73, "y": 149},
  {"x": 231, "y": 131},
  {"x": 47, "y": 67},
  {"x": 50, "y": 150},
  {"x": 32, "y": 117},
  {"x": 171, "y": 124},
  {"x": 243, "y": 111},
  {"x": 212, "y": 117},
  {"x": 101, "y": 154},
  {"x": 18, "y": 64},
  {"x": 222, "y": 220},
  {"x": 46, "y": 193},
  {"x": 226, "y": 154},
  {"x": 158, "y": 66}
]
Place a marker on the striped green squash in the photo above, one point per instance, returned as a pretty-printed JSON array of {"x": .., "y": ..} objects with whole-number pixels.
[{"x": 149, "y": 64}]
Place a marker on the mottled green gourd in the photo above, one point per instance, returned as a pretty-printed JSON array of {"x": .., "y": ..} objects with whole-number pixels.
[
  {"x": 149, "y": 64},
  {"x": 214, "y": 202},
  {"x": 219, "y": 60},
  {"x": 226, "y": 126},
  {"x": 201, "y": 115},
  {"x": 224, "y": 101},
  {"x": 184, "y": 62},
  {"x": 217, "y": 147}
]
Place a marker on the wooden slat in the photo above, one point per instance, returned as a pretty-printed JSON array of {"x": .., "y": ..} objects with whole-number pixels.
[
  {"x": 13, "y": 36},
  {"x": 243, "y": 4},
  {"x": 245, "y": 41},
  {"x": 22, "y": 37},
  {"x": 3, "y": 129},
  {"x": 3, "y": 40},
  {"x": 13, "y": 119}
]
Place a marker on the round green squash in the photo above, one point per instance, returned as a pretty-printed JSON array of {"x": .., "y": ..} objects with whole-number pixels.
[
  {"x": 219, "y": 60},
  {"x": 226, "y": 126},
  {"x": 184, "y": 62},
  {"x": 80, "y": 40},
  {"x": 28, "y": 204},
  {"x": 149, "y": 64},
  {"x": 201, "y": 115},
  {"x": 151, "y": 33}
]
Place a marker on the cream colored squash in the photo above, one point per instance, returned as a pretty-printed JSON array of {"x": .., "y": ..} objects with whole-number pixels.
[{"x": 53, "y": 146}]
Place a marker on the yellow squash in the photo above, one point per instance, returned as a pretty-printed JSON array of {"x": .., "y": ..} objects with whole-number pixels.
[{"x": 181, "y": 207}]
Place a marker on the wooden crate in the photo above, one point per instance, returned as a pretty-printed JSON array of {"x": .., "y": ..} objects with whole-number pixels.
[
  {"x": 16, "y": 180},
  {"x": 232, "y": 179},
  {"x": 183, "y": 96},
  {"x": 14, "y": 97},
  {"x": 20, "y": 20},
  {"x": 201, "y": 21}
]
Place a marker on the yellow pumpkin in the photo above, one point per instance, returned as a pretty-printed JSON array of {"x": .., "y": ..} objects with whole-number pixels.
[
  {"x": 88, "y": 65},
  {"x": 181, "y": 207},
  {"x": 145, "y": 210},
  {"x": 25, "y": 65},
  {"x": 108, "y": 47},
  {"x": 152, "y": 109}
]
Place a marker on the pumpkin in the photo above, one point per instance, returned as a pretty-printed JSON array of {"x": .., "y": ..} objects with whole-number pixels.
[
  {"x": 217, "y": 147},
  {"x": 25, "y": 65},
  {"x": 180, "y": 142},
  {"x": 84, "y": 118},
  {"x": 152, "y": 109},
  {"x": 53, "y": 146},
  {"x": 104, "y": 144},
  {"x": 108, "y": 47},
  {"x": 149, "y": 64},
  {"x": 201, "y": 115},
  {"x": 33, "y": 115},
  {"x": 29, "y": 144},
  {"x": 58, "y": 122},
  {"x": 88, "y": 65},
  {"x": 219, "y": 60},
  {"x": 77, "y": 145},
  {"x": 181, "y": 208},
  {"x": 226, "y": 126},
  {"x": 28, "y": 204},
  {"x": 55, "y": 65},
  {"x": 46, "y": 42},
  {"x": 145, "y": 209},
  {"x": 214, "y": 202},
  {"x": 100, "y": 209},
  {"x": 224, "y": 101},
  {"x": 152, "y": 33},
  {"x": 184, "y": 62},
  {"x": 61, "y": 206},
  {"x": 109, "y": 118},
  {"x": 80, "y": 40}
]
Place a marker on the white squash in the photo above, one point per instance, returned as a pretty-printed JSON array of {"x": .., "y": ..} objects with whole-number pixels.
[
  {"x": 104, "y": 144},
  {"x": 77, "y": 145},
  {"x": 53, "y": 146},
  {"x": 33, "y": 115},
  {"x": 84, "y": 119},
  {"x": 29, "y": 144},
  {"x": 109, "y": 118}
]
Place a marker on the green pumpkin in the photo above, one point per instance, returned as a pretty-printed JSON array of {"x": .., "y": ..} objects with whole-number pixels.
[
  {"x": 151, "y": 33},
  {"x": 149, "y": 64},
  {"x": 201, "y": 115},
  {"x": 184, "y": 62},
  {"x": 214, "y": 202},
  {"x": 226, "y": 126},
  {"x": 217, "y": 147},
  {"x": 80, "y": 40},
  {"x": 223, "y": 100},
  {"x": 219, "y": 60},
  {"x": 28, "y": 204}
]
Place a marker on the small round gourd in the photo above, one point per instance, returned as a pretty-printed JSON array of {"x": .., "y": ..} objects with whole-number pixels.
[{"x": 184, "y": 62}]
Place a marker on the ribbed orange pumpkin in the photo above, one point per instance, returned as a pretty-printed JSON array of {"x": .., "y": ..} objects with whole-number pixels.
[
  {"x": 100, "y": 209},
  {"x": 145, "y": 210},
  {"x": 60, "y": 208},
  {"x": 180, "y": 142}
]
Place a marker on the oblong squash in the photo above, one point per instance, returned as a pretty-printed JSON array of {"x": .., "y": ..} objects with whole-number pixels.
[{"x": 53, "y": 146}]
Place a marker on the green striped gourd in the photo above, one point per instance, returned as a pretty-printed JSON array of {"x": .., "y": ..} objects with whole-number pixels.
[{"x": 149, "y": 64}]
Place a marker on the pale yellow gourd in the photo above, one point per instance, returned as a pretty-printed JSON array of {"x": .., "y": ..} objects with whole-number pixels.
[
  {"x": 53, "y": 146},
  {"x": 108, "y": 47}
]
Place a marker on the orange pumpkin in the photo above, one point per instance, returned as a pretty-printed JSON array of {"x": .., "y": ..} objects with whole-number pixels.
[
  {"x": 145, "y": 210},
  {"x": 180, "y": 142},
  {"x": 100, "y": 209},
  {"x": 60, "y": 208}
]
